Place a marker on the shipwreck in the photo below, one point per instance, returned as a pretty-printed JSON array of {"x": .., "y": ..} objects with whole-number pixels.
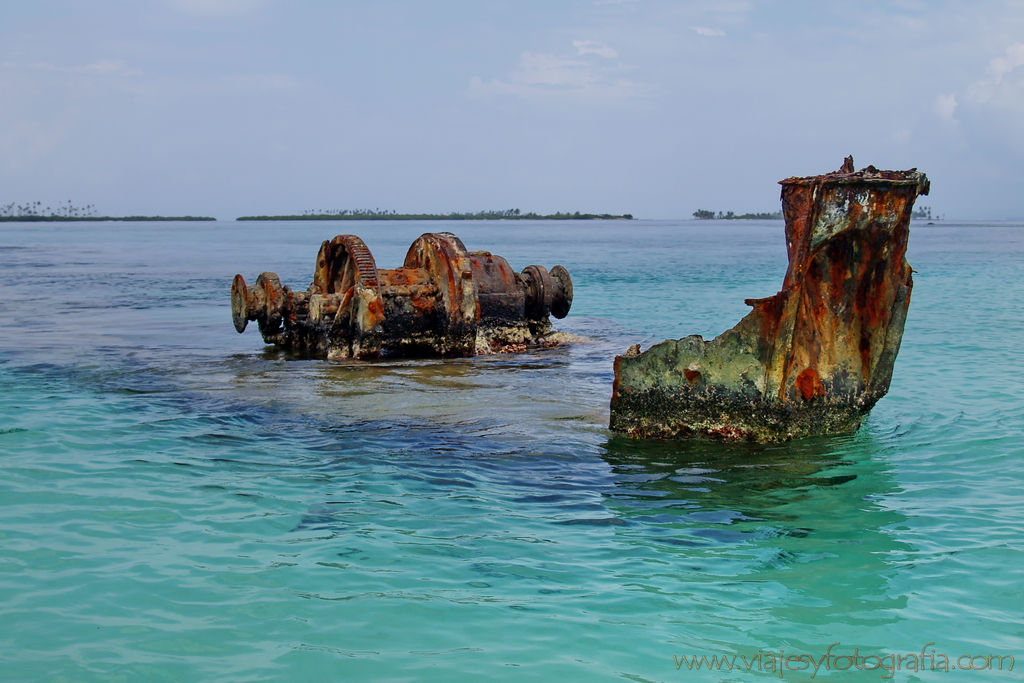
[
  {"x": 443, "y": 301},
  {"x": 812, "y": 359}
]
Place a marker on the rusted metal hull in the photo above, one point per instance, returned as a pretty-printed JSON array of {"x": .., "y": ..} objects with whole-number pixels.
[
  {"x": 443, "y": 301},
  {"x": 814, "y": 358}
]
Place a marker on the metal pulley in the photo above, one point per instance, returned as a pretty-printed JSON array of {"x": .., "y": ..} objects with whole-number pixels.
[{"x": 444, "y": 300}]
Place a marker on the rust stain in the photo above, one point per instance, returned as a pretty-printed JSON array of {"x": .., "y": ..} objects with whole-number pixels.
[
  {"x": 423, "y": 304},
  {"x": 809, "y": 384},
  {"x": 375, "y": 312}
]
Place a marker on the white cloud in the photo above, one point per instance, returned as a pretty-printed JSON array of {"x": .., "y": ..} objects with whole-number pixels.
[
  {"x": 551, "y": 70},
  {"x": 708, "y": 31},
  {"x": 584, "y": 47},
  {"x": 560, "y": 76},
  {"x": 999, "y": 86},
  {"x": 992, "y": 108},
  {"x": 901, "y": 135},
  {"x": 1001, "y": 66},
  {"x": 945, "y": 107}
]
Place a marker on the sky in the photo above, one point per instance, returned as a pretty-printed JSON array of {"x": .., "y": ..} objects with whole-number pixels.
[{"x": 652, "y": 107}]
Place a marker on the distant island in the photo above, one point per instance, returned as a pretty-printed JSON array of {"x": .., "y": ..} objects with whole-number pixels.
[
  {"x": 705, "y": 215},
  {"x": 924, "y": 212},
  {"x": 98, "y": 219},
  {"x": 34, "y": 212},
  {"x": 378, "y": 215}
]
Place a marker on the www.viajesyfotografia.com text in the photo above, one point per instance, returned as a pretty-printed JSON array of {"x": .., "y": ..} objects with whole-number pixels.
[{"x": 779, "y": 663}]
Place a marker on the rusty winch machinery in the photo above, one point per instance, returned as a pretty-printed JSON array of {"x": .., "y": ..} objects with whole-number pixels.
[{"x": 443, "y": 301}]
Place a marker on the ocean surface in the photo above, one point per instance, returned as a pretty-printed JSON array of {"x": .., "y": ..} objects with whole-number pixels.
[{"x": 179, "y": 502}]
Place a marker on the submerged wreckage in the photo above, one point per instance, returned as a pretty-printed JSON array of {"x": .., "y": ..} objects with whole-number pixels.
[
  {"x": 444, "y": 301},
  {"x": 814, "y": 358}
]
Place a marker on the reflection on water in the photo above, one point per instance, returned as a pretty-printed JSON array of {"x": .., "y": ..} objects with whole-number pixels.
[
  {"x": 760, "y": 480},
  {"x": 787, "y": 536},
  {"x": 519, "y": 395}
]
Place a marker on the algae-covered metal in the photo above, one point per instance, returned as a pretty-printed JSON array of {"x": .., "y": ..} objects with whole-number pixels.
[
  {"x": 444, "y": 301},
  {"x": 814, "y": 358}
]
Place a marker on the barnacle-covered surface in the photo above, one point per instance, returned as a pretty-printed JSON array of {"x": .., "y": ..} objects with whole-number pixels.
[
  {"x": 443, "y": 301},
  {"x": 814, "y": 358}
]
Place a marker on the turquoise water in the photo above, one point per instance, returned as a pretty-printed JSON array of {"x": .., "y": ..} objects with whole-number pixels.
[{"x": 180, "y": 503}]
